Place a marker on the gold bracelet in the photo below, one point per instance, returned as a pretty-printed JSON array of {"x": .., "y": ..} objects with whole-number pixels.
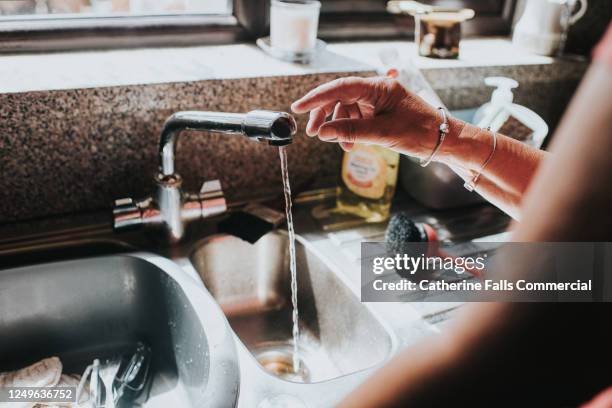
[
  {"x": 442, "y": 131},
  {"x": 471, "y": 185}
]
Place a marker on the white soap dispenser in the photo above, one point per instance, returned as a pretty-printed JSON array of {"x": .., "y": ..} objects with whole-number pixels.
[{"x": 503, "y": 116}]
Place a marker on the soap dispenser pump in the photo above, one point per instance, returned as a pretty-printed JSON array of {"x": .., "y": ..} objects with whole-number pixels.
[
  {"x": 502, "y": 115},
  {"x": 503, "y": 93},
  {"x": 497, "y": 110}
]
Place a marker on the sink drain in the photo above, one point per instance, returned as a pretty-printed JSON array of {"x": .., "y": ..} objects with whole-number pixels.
[{"x": 277, "y": 359}]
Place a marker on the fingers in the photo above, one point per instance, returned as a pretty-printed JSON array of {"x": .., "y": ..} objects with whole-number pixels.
[
  {"x": 353, "y": 111},
  {"x": 317, "y": 118},
  {"x": 344, "y": 90},
  {"x": 319, "y": 115},
  {"x": 346, "y": 112},
  {"x": 340, "y": 112},
  {"x": 349, "y": 131}
]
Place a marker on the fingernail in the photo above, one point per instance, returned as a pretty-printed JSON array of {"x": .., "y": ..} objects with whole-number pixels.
[
  {"x": 328, "y": 139},
  {"x": 310, "y": 132},
  {"x": 346, "y": 147}
]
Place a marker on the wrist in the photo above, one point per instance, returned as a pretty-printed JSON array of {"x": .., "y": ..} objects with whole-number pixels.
[
  {"x": 452, "y": 146},
  {"x": 465, "y": 145}
]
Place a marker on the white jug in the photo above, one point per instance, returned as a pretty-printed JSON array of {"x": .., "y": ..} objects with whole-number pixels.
[{"x": 542, "y": 28}]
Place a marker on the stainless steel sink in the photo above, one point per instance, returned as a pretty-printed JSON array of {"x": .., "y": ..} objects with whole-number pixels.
[
  {"x": 338, "y": 334},
  {"x": 98, "y": 307}
]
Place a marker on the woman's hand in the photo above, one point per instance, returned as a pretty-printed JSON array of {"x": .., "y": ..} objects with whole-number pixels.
[
  {"x": 380, "y": 111},
  {"x": 374, "y": 111}
]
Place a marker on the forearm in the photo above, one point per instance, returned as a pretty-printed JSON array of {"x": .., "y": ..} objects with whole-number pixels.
[
  {"x": 499, "y": 355},
  {"x": 512, "y": 165},
  {"x": 433, "y": 374},
  {"x": 506, "y": 200},
  {"x": 507, "y": 175}
]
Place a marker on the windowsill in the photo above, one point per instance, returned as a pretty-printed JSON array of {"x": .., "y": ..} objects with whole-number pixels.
[
  {"x": 475, "y": 52},
  {"x": 76, "y": 70}
]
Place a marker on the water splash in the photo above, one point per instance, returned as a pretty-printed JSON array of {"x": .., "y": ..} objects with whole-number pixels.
[{"x": 292, "y": 263}]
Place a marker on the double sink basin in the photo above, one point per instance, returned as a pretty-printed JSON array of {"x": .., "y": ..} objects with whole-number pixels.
[{"x": 217, "y": 316}]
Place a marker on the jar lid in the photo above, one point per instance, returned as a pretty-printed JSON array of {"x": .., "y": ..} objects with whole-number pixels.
[
  {"x": 433, "y": 13},
  {"x": 297, "y": 3}
]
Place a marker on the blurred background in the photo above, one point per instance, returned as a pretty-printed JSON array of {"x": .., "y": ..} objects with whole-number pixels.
[{"x": 226, "y": 21}]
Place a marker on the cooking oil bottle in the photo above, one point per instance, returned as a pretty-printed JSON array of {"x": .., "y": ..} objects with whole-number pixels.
[{"x": 367, "y": 182}]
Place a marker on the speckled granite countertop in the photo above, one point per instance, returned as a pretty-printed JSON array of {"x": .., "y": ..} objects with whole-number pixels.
[{"x": 78, "y": 130}]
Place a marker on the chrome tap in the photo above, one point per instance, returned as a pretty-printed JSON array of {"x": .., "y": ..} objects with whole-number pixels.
[{"x": 170, "y": 207}]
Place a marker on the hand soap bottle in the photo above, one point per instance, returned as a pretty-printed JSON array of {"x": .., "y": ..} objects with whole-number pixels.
[
  {"x": 501, "y": 115},
  {"x": 367, "y": 182}
]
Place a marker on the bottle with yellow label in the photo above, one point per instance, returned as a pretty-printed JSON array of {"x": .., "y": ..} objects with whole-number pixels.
[{"x": 367, "y": 182}]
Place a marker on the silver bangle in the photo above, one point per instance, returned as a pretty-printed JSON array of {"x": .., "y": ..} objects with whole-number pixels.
[
  {"x": 442, "y": 131},
  {"x": 471, "y": 185}
]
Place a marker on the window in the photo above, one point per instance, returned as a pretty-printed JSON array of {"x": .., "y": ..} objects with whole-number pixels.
[
  {"x": 44, "y": 25},
  {"x": 105, "y": 8},
  {"x": 47, "y": 25}
]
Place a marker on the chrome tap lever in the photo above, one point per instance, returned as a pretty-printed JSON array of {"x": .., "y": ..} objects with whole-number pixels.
[
  {"x": 212, "y": 199},
  {"x": 126, "y": 214},
  {"x": 208, "y": 202}
]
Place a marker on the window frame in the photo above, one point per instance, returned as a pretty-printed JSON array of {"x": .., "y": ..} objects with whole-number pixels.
[
  {"x": 61, "y": 33},
  {"x": 48, "y": 34}
]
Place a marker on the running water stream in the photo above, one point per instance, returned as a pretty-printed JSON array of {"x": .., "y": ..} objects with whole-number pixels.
[{"x": 292, "y": 263}]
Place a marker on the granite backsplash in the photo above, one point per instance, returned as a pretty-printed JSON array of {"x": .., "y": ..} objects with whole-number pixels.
[
  {"x": 74, "y": 151},
  {"x": 78, "y": 150}
]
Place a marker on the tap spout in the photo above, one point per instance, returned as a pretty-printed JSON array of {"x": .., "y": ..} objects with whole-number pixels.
[{"x": 277, "y": 128}]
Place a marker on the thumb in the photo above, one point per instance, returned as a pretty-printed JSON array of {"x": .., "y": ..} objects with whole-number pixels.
[{"x": 351, "y": 131}]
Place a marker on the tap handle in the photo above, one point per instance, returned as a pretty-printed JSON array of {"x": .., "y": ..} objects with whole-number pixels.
[
  {"x": 211, "y": 187},
  {"x": 126, "y": 214},
  {"x": 208, "y": 202},
  {"x": 212, "y": 198}
]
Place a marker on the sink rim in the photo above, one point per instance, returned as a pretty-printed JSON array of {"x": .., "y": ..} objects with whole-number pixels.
[{"x": 222, "y": 352}]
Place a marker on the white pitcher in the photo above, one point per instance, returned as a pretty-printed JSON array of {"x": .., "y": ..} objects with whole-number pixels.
[{"x": 542, "y": 28}]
